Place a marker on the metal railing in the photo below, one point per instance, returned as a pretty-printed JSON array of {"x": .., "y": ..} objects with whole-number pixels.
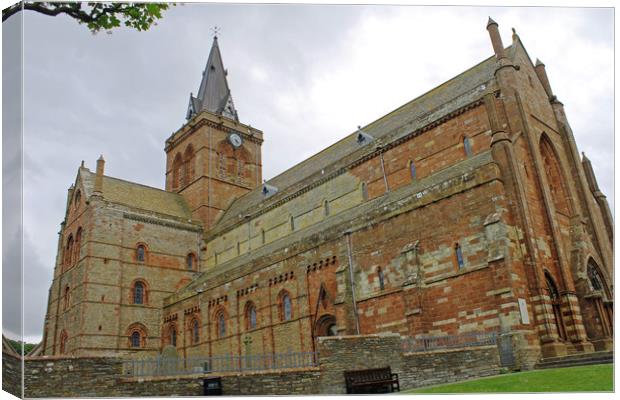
[
  {"x": 427, "y": 343},
  {"x": 165, "y": 366}
]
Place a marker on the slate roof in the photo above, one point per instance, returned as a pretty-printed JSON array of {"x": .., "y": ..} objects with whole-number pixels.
[
  {"x": 447, "y": 97},
  {"x": 139, "y": 196},
  {"x": 213, "y": 94}
]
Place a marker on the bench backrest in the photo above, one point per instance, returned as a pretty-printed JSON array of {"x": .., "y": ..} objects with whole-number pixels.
[{"x": 368, "y": 375}]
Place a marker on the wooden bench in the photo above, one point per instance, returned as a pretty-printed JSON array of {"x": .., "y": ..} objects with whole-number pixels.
[{"x": 368, "y": 381}]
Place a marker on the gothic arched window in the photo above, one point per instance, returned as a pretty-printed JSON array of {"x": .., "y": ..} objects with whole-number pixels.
[
  {"x": 69, "y": 250},
  {"x": 66, "y": 297},
  {"x": 381, "y": 278},
  {"x": 188, "y": 161},
  {"x": 64, "y": 338},
  {"x": 77, "y": 244},
  {"x": 177, "y": 172}
]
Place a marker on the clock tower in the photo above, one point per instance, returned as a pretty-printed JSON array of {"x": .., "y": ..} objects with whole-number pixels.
[{"x": 213, "y": 159}]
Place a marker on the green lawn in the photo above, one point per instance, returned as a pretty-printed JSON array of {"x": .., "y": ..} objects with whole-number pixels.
[{"x": 589, "y": 378}]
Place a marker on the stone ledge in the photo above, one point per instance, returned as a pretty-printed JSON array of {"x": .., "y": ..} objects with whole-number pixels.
[
  {"x": 222, "y": 374},
  {"x": 447, "y": 351}
]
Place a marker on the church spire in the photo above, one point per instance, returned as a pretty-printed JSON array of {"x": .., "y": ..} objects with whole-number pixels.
[{"x": 213, "y": 94}]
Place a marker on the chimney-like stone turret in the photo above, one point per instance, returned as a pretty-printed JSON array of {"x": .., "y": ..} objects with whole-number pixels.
[
  {"x": 541, "y": 72},
  {"x": 496, "y": 39},
  {"x": 99, "y": 176}
]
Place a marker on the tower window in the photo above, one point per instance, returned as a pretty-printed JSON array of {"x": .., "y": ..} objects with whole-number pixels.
[
  {"x": 326, "y": 207},
  {"x": 66, "y": 298},
  {"x": 292, "y": 222}
]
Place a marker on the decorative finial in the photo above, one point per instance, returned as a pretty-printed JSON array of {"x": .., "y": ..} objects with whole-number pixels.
[
  {"x": 514, "y": 31},
  {"x": 215, "y": 30},
  {"x": 100, "y": 158},
  {"x": 82, "y": 164},
  {"x": 491, "y": 22},
  {"x": 538, "y": 63}
]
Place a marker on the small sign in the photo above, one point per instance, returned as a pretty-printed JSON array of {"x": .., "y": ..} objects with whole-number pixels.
[{"x": 525, "y": 318}]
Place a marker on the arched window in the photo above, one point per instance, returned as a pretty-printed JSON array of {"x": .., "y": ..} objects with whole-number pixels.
[
  {"x": 66, "y": 297},
  {"x": 135, "y": 339},
  {"x": 136, "y": 335},
  {"x": 139, "y": 293},
  {"x": 189, "y": 164},
  {"x": 69, "y": 250},
  {"x": 195, "y": 329},
  {"x": 326, "y": 207},
  {"x": 554, "y": 175},
  {"x": 467, "y": 147},
  {"x": 221, "y": 165},
  {"x": 77, "y": 244},
  {"x": 262, "y": 236},
  {"x": 240, "y": 169},
  {"x": 412, "y": 170},
  {"x": 459, "y": 256},
  {"x": 250, "y": 316},
  {"x": 78, "y": 196},
  {"x": 595, "y": 278},
  {"x": 177, "y": 167},
  {"x": 190, "y": 261},
  {"x": 172, "y": 335},
  {"x": 64, "y": 337},
  {"x": 286, "y": 306},
  {"x": 140, "y": 253},
  {"x": 381, "y": 278},
  {"x": 292, "y": 222},
  {"x": 221, "y": 324}
]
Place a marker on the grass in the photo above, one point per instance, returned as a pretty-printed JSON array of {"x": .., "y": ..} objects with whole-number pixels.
[{"x": 589, "y": 378}]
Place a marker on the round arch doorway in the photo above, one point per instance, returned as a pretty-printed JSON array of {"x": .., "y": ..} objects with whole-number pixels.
[{"x": 326, "y": 326}]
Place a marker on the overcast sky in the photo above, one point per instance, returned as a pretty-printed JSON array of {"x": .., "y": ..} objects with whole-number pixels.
[{"x": 305, "y": 75}]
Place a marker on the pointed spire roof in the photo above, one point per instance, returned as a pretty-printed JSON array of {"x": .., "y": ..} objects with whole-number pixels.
[
  {"x": 213, "y": 93},
  {"x": 491, "y": 22}
]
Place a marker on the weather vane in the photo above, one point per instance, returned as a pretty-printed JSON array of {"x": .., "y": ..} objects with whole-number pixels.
[{"x": 215, "y": 30}]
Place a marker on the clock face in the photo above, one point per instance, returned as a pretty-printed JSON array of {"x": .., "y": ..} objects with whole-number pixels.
[{"x": 235, "y": 139}]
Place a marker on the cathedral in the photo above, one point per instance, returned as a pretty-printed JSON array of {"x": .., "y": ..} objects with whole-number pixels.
[{"x": 467, "y": 209}]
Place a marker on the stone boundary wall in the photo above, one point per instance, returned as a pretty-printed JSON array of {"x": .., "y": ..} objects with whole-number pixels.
[
  {"x": 12, "y": 374},
  {"x": 342, "y": 353},
  {"x": 103, "y": 376}
]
